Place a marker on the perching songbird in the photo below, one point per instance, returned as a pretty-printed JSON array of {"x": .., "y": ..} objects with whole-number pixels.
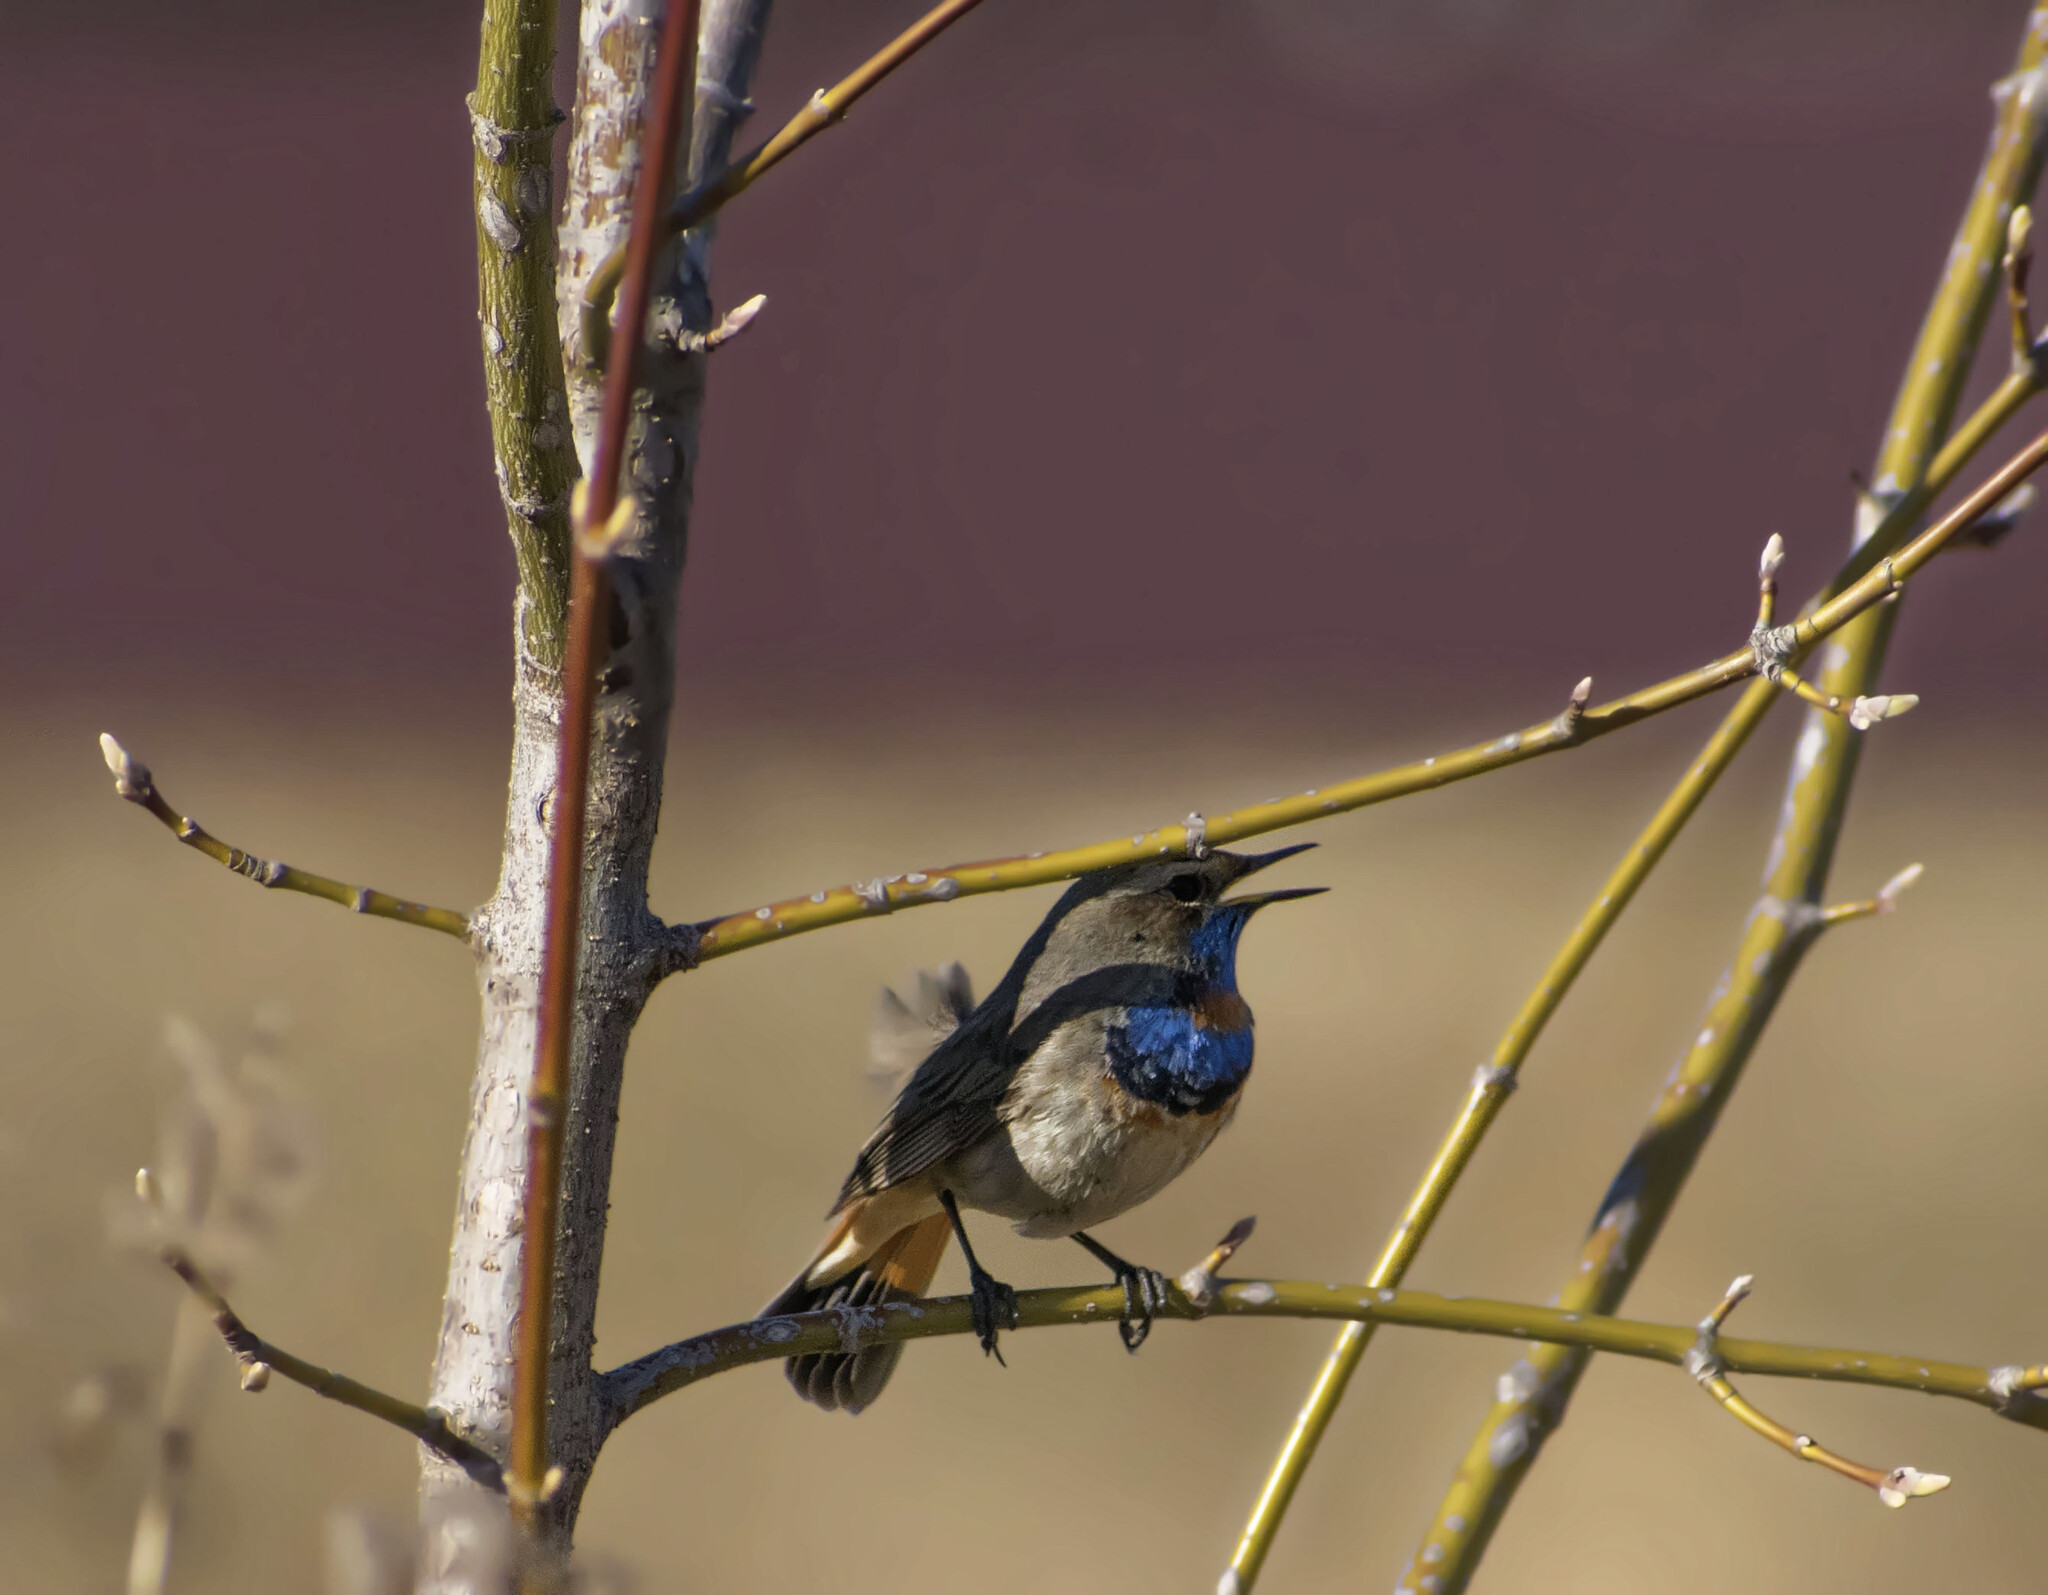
[{"x": 1101, "y": 1066}]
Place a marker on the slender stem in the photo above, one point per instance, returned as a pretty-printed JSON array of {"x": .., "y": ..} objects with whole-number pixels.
[
  {"x": 590, "y": 598},
  {"x": 837, "y": 905},
  {"x": 134, "y": 782},
  {"x": 644, "y": 1381},
  {"x": 256, "y": 1355},
  {"x": 1787, "y": 916},
  {"x": 1805, "y": 1447},
  {"x": 154, "y": 1542},
  {"x": 824, "y": 109},
  {"x": 1894, "y": 1486}
]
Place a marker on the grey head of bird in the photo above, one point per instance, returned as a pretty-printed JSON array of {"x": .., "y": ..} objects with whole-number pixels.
[{"x": 1169, "y": 912}]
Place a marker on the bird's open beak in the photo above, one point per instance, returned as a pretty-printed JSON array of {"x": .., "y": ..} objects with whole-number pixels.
[
  {"x": 1252, "y": 863},
  {"x": 1259, "y": 900}
]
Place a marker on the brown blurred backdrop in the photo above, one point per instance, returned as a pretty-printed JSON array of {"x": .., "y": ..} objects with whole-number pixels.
[{"x": 1159, "y": 405}]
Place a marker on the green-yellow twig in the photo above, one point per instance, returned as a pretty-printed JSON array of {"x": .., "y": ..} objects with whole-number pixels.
[
  {"x": 824, "y": 109},
  {"x": 259, "y": 1359},
  {"x": 1706, "y": 1363},
  {"x": 512, "y": 122},
  {"x": 1492, "y": 1083},
  {"x": 1787, "y": 916},
  {"x": 132, "y": 780},
  {"x": 1572, "y": 728},
  {"x": 640, "y": 1383}
]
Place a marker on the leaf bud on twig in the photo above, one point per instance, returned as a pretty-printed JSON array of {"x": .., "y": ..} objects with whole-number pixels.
[
  {"x": 1867, "y": 712},
  {"x": 1902, "y": 1484},
  {"x": 1888, "y": 894},
  {"x": 131, "y": 775}
]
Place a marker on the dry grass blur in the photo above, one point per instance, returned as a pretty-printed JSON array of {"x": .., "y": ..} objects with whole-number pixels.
[{"x": 1879, "y": 1171}]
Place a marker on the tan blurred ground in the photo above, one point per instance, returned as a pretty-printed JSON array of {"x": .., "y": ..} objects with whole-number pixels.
[{"x": 1878, "y": 1171}]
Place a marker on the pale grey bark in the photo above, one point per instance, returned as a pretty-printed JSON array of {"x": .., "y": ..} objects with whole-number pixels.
[{"x": 626, "y": 949}]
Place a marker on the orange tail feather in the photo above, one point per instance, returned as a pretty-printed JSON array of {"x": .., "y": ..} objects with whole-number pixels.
[{"x": 900, "y": 1269}]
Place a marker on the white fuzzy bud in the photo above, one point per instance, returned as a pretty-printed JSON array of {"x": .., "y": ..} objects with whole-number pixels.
[
  {"x": 1866, "y": 712},
  {"x": 1582, "y": 694},
  {"x": 736, "y": 319},
  {"x": 1902, "y": 1484},
  {"x": 1888, "y": 894},
  {"x": 256, "y": 1377},
  {"x": 131, "y": 775},
  {"x": 1773, "y": 557},
  {"x": 1740, "y": 1288}
]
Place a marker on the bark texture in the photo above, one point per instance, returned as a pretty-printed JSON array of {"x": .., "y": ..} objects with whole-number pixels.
[{"x": 627, "y": 949}]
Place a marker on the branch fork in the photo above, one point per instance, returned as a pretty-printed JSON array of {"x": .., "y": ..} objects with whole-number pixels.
[
  {"x": 1894, "y": 1486},
  {"x": 1199, "y": 1284},
  {"x": 1776, "y": 646}
]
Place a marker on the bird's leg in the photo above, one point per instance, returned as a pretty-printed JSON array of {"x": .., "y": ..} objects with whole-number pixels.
[
  {"x": 994, "y": 1303},
  {"x": 1144, "y": 1290}
]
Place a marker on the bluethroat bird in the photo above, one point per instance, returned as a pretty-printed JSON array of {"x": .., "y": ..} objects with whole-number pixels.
[{"x": 1100, "y": 1067}]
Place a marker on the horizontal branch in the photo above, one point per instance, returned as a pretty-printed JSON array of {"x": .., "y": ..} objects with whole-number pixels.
[
  {"x": 640, "y": 1383},
  {"x": 1575, "y": 726},
  {"x": 826, "y": 108},
  {"x": 133, "y": 781},
  {"x": 259, "y": 1359}
]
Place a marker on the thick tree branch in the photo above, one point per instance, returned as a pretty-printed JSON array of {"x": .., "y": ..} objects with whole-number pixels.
[
  {"x": 259, "y": 1359},
  {"x": 481, "y": 1315},
  {"x": 134, "y": 782},
  {"x": 599, "y": 530},
  {"x": 644, "y": 1381},
  {"x": 1882, "y": 580}
]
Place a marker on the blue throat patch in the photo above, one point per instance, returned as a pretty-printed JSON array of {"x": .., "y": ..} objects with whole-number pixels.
[{"x": 1190, "y": 1059}]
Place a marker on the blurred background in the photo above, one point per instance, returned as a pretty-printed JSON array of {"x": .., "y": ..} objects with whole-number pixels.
[{"x": 1161, "y": 403}]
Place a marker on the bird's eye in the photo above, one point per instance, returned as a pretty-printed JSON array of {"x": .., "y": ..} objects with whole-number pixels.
[{"x": 1186, "y": 888}]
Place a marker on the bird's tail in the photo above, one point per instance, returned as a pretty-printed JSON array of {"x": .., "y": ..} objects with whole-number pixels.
[{"x": 900, "y": 1269}]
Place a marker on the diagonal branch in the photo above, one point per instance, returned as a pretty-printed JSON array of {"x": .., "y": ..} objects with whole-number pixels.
[
  {"x": 1882, "y": 578},
  {"x": 134, "y": 782},
  {"x": 637, "y": 1385},
  {"x": 259, "y": 1359},
  {"x": 1492, "y": 1084},
  {"x": 1783, "y": 924},
  {"x": 826, "y": 108}
]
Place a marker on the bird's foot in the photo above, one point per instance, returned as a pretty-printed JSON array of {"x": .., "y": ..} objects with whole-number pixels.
[
  {"x": 1144, "y": 1294},
  {"x": 1146, "y": 1291},
  {"x": 994, "y": 1306}
]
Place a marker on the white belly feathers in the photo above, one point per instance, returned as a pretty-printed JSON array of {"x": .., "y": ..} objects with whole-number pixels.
[{"x": 1076, "y": 1149}]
